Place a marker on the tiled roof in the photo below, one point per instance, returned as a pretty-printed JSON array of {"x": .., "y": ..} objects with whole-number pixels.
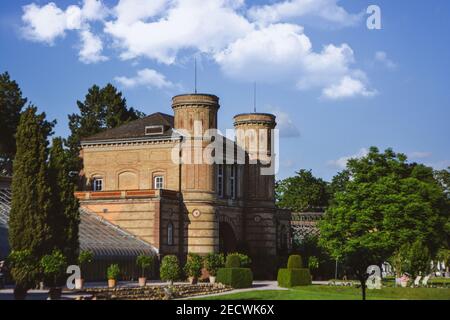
[
  {"x": 101, "y": 237},
  {"x": 135, "y": 129}
]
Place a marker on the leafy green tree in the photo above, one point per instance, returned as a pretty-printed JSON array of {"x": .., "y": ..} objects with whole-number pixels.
[
  {"x": 24, "y": 270},
  {"x": 11, "y": 104},
  {"x": 170, "y": 269},
  {"x": 54, "y": 267},
  {"x": 302, "y": 193},
  {"x": 103, "y": 108},
  {"x": 386, "y": 203},
  {"x": 417, "y": 259},
  {"x": 64, "y": 216}
]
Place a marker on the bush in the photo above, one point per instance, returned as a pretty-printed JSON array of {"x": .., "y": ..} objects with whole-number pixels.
[
  {"x": 288, "y": 278},
  {"x": 245, "y": 260},
  {"x": 144, "y": 262},
  {"x": 193, "y": 266},
  {"x": 233, "y": 261},
  {"x": 313, "y": 263},
  {"x": 54, "y": 268},
  {"x": 85, "y": 257},
  {"x": 24, "y": 269},
  {"x": 294, "y": 262},
  {"x": 170, "y": 268},
  {"x": 113, "y": 272},
  {"x": 212, "y": 262},
  {"x": 235, "y": 277}
]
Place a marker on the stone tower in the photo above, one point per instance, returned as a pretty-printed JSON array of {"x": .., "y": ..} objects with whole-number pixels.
[{"x": 194, "y": 114}]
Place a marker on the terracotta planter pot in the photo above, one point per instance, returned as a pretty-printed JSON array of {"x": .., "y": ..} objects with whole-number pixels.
[
  {"x": 193, "y": 280},
  {"x": 142, "y": 281},
  {"x": 111, "y": 283},
  {"x": 54, "y": 293},
  {"x": 79, "y": 284},
  {"x": 212, "y": 279}
]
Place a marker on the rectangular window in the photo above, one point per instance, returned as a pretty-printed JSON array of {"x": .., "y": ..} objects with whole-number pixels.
[
  {"x": 220, "y": 180},
  {"x": 233, "y": 182},
  {"x": 97, "y": 184},
  {"x": 154, "y": 130},
  {"x": 159, "y": 182}
]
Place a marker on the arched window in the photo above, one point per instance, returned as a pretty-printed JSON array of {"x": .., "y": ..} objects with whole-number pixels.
[
  {"x": 170, "y": 234},
  {"x": 158, "y": 182},
  {"x": 97, "y": 184}
]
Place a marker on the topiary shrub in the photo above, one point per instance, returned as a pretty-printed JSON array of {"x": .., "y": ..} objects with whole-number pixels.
[
  {"x": 170, "y": 269},
  {"x": 244, "y": 259},
  {"x": 233, "y": 261},
  {"x": 288, "y": 278},
  {"x": 212, "y": 263},
  {"x": 294, "y": 262},
  {"x": 235, "y": 277},
  {"x": 193, "y": 266}
]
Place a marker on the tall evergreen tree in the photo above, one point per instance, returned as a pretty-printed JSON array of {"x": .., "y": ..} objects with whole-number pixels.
[
  {"x": 64, "y": 216},
  {"x": 29, "y": 227},
  {"x": 103, "y": 108},
  {"x": 11, "y": 104}
]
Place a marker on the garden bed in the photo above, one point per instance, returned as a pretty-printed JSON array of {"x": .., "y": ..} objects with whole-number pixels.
[{"x": 158, "y": 292}]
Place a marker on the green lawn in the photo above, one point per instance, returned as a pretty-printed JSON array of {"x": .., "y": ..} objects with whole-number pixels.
[{"x": 320, "y": 292}]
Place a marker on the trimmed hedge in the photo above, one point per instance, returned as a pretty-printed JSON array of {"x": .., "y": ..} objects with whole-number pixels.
[
  {"x": 235, "y": 277},
  {"x": 233, "y": 261},
  {"x": 295, "y": 262},
  {"x": 288, "y": 278}
]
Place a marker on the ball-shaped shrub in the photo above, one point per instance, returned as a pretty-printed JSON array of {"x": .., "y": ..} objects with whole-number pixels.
[
  {"x": 212, "y": 262},
  {"x": 193, "y": 266},
  {"x": 233, "y": 261},
  {"x": 294, "y": 262},
  {"x": 170, "y": 268}
]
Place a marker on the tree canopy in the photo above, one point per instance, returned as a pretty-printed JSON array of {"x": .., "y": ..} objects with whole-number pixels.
[
  {"x": 11, "y": 104},
  {"x": 103, "y": 108},
  {"x": 302, "y": 193},
  {"x": 385, "y": 203}
]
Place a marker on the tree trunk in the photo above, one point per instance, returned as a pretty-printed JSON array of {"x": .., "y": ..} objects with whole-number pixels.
[{"x": 363, "y": 289}]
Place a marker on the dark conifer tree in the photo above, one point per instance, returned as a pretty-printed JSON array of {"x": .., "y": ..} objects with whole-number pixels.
[
  {"x": 64, "y": 215},
  {"x": 29, "y": 227}
]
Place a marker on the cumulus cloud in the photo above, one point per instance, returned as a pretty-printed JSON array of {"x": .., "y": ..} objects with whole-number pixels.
[
  {"x": 262, "y": 43},
  {"x": 146, "y": 77},
  {"x": 341, "y": 163},
  {"x": 327, "y": 10},
  {"x": 419, "y": 155}
]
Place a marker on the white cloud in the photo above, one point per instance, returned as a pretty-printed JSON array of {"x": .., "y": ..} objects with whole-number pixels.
[
  {"x": 341, "y": 163},
  {"x": 287, "y": 127},
  {"x": 292, "y": 9},
  {"x": 381, "y": 56},
  {"x": 270, "y": 48},
  {"x": 206, "y": 26},
  {"x": 91, "y": 49},
  {"x": 346, "y": 88},
  {"x": 146, "y": 77}
]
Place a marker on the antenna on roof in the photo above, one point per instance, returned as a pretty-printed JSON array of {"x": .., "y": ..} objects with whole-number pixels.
[
  {"x": 195, "y": 74},
  {"x": 254, "y": 97}
]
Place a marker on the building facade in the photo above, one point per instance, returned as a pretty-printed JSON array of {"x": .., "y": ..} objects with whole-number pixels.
[{"x": 130, "y": 179}]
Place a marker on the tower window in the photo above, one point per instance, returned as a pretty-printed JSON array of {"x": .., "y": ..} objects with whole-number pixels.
[
  {"x": 159, "y": 182},
  {"x": 170, "y": 234},
  {"x": 97, "y": 184},
  {"x": 220, "y": 180},
  {"x": 233, "y": 182}
]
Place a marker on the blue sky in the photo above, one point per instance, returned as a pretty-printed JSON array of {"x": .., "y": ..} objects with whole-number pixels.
[{"x": 336, "y": 86}]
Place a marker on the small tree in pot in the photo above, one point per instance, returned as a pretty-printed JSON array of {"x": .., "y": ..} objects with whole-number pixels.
[
  {"x": 144, "y": 262},
  {"x": 313, "y": 264},
  {"x": 54, "y": 268},
  {"x": 193, "y": 267},
  {"x": 113, "y": 273},
  {"x": 24, "y": 270},
  {"x": 212, "y": 263},
  {"x": 170, "y": 269},
  {"x": 85, "y": 257}
]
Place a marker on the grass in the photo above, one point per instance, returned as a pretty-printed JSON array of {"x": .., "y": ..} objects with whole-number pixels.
[{"x": 321, "y": 292}]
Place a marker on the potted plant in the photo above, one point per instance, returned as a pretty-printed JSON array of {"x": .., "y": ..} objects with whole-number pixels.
[
  {"x": 85, "y": 257},
  {"x": 53, "y": 268},
  {"x": 113, "y": 273},
  {"x": 193, "y": 267},
  {"x": 212, "y": 263},
  {"x": 170, "y": 269},
  {"x": 24, "y": 270},
  {"x": 144, "y": 262}
]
